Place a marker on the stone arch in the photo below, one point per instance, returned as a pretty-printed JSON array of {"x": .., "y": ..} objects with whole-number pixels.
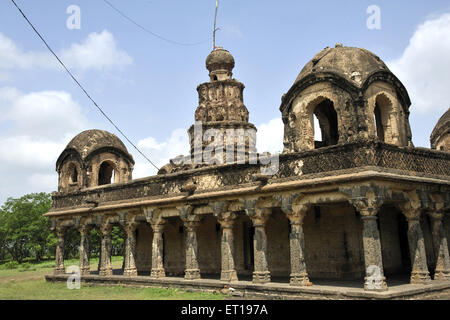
[
  {"x": 73, "y": 173},
  {"x": 70, "y": 175},
  {"x": 387, "y": 118},
  {"x": 322, "y": 101},
  {"x": 107, "y": 173},
  {"x": 385, "y": 122}
]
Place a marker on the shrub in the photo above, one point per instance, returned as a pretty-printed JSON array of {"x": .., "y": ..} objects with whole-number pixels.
[{"x": 10, "y": 265}]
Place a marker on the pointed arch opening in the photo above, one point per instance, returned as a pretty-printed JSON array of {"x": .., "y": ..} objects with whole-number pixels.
[
  {"x": 384, "y": 128},
  {"x": 327, "y": 120},
  {"x": 106, "y": 173},
  {"x": 73, "y": 174}
]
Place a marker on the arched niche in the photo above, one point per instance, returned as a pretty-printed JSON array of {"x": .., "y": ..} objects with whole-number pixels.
[
  {"x": 107, "y": 173},
  {"x": 386, "y": 118}
]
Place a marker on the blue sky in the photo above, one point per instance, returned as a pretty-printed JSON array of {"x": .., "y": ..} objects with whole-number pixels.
[{"x": 148, "y": 86}]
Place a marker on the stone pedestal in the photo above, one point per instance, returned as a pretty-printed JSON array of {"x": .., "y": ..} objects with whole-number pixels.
[
  {"x": 157, "y": 252},
  {"x": 105, "y": 268},
  {"x": 84, "y": 251},
  {"x": 442, "y": 271},
  {"x": 59, "y": 254}
]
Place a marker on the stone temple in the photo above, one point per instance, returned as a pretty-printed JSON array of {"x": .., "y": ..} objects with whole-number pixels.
[{"x": 363, "y": 205}]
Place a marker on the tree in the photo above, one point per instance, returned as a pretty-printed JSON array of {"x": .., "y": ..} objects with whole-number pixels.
[{"x": 23, "y": 228}]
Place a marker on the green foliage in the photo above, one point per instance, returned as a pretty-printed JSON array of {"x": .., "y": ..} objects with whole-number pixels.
[
  {"x": 117, "y": 242},
  {"x": 9, "y": 265},
  {"x": 24, "y": 231}
]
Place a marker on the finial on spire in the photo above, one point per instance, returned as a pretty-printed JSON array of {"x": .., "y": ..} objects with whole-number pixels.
[{"x": 215, "y": 28}]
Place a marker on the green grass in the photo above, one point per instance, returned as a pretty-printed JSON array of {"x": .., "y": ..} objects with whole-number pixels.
[{"x": 26, "y": 282}]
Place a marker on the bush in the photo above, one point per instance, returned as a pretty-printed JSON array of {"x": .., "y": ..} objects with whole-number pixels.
[{"x": 9, "y": 265}]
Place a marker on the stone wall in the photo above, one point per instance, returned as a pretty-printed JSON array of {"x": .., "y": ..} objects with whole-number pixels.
[
  {"x": 208, "y": 238},
  {"x": 144, "y": 247},
  {"x": 174, "y": 252},
  {"x": 278, "y": 244},
  {"x": 333, "y": 239},
  {"x": 390, "y": 241}
]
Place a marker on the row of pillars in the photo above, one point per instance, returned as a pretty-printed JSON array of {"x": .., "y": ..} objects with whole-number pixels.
[{"x": 374, "y": 279}]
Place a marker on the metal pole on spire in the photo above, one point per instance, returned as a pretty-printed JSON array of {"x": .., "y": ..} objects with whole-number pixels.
[{"x": 215, "y": 28}]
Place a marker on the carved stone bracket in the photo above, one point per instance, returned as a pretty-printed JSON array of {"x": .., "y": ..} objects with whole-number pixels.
[{"x": 367, "y": 199}]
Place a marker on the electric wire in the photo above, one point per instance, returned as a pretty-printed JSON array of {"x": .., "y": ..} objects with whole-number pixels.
[
  {"x": 81, "y": 87},
  {"x": 151, "y": 32}
]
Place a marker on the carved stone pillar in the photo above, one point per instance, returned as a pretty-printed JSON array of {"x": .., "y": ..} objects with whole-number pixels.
[
  {"x": 442, "y": 271},
  {"x": 419, "y": 273},
  {"x": 84, "y": 250},
  {"x": 368, "y": 199},
  {"x": 192, "y": 271},
  {"x": 228, "y": 272},
  {"x": 261, "y": 273},
  {"x": 157, "y": 251},
  {"x": 299, "y": 274},
  {"x": 373, "y": 258},
  {"x": 59, "y": 254},
  {"x": 105, "y": 250},
  {"x": 191, "y": 223},
  {"x": 130, "y": 269}
]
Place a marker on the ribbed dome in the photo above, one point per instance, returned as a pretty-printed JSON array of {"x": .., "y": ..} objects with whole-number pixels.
[
  {"x": 219, "y": 59},
  {"x": 442, "y": 126},
  {"x": 354, "y": 64},
  {"x": 90, "y": 140}
]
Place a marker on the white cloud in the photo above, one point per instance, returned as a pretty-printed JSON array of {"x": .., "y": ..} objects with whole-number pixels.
[
  {"x": 160, "y": 152},
  {"x": 27, "y": 152},
  {"x": 424, "y": 66},
  {"x": 12, "y": 57},
  {"x": 269, "y": 136},
  {"x": 97, "y": 52},
  {"x": 45, "y": 113},
  {"x": 36, "y": 127}
]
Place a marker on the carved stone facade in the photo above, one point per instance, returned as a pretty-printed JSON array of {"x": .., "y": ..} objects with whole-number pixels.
[
  {"x": 362, "y": 204},
  {"x": 440, "y": 137}
]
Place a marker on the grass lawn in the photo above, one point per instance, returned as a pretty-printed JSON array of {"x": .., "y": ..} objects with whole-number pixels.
[{"x": 26, "y": 282}]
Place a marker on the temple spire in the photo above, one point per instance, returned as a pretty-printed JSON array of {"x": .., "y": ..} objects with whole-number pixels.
[{"x": 215, "y": 23}]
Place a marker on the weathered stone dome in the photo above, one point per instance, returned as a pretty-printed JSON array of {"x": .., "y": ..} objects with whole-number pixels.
[
  {"x": 89, "y": 141},
  {"x": 353, "y": 64},
  {"x": 219, "y": 59},
  {"x": 441, "y": 129}
]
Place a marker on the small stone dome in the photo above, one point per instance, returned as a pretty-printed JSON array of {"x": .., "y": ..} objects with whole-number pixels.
[
  {"x": 93, "y": 158},
  {"x": 219, "y": 59},
  {"x": 90, "y": 140},
  {"x": 441, "y": 130},
  {"x": 354, "y": 64}
]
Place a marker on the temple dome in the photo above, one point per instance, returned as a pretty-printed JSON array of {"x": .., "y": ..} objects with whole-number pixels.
[
  {"x": 441, "y": 129},
  {"x": 353, "y": 64},
  {"x": 219, "y": 59},
  {"x": 91, "y": 140}
]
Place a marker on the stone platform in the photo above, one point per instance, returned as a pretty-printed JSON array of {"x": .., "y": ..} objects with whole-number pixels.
[{"x": 321, "y": 290}]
